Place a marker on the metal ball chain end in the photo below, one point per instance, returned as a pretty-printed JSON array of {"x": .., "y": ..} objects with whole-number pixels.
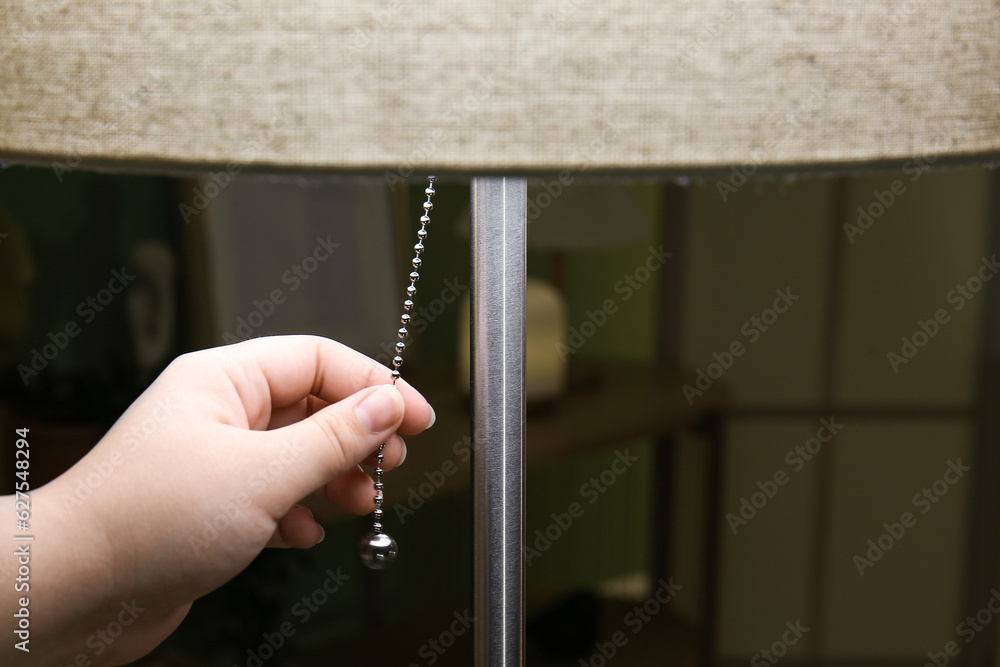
[{"x": 377, "y": 549}]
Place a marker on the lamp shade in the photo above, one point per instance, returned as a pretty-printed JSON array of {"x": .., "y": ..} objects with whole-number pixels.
[{"x": 497, "y": 85}]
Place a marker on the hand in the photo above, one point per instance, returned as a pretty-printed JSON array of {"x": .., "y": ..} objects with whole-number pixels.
[{"x": 201, "y": 473}]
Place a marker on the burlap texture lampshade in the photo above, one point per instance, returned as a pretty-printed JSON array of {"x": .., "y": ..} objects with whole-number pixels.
[{"x": 497, "y": 86}]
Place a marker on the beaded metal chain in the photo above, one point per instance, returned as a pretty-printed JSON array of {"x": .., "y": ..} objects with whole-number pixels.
[{"x": 377, "y": 549}]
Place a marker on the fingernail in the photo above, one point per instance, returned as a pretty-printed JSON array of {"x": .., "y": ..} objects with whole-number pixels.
[
  {"x": 403, "y": 457},
  {"x": 322, "y": 534},
  {"x": 379, "y": 410},
  {"x": 433, "y": 417}
]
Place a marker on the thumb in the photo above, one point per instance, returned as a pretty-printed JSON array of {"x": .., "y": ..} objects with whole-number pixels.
[{"x": 335, "y": 439}]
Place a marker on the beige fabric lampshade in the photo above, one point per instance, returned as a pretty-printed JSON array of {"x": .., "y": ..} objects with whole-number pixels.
[{"x": 497, "y": 85}]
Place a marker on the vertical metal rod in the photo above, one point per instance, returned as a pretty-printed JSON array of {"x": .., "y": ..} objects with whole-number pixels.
[{"x": 499, "y": 228}]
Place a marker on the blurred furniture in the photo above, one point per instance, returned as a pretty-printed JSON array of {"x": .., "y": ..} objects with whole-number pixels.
[
  {"x": 502, "y": 87},
  {"x": 606, "y": 403}
]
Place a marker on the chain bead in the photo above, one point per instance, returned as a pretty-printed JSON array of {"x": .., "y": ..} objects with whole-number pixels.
[{"x": 377, "y": 549}]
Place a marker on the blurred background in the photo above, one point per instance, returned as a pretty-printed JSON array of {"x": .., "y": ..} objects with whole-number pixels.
[{"x": 745, "y": 386}]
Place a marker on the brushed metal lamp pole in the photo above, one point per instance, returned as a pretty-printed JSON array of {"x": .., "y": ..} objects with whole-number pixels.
[{"x": 499, "y": 229}]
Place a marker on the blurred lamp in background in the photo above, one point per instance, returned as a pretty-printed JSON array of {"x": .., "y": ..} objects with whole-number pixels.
[
  {"x": 620, "y": 87},
  {"x": 561, "y": 217}
]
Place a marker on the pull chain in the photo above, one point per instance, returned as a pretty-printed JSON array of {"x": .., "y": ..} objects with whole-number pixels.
[{"x": 377, "y": 549}]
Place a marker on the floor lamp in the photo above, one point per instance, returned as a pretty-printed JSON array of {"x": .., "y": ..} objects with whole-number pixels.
[{"x": 499, "y": 90}]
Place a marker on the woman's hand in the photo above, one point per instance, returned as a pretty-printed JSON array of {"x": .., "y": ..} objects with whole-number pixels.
[{"x": 201, "y": 473}]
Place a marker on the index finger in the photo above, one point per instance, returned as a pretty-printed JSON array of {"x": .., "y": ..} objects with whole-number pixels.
[{"x": 282, "y": 371}]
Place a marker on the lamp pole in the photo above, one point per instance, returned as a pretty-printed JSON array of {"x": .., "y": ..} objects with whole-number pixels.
[{"x": 499, "y": 228}]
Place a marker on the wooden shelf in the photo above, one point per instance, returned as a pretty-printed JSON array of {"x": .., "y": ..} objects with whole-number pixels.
[{"x": 606, "y": 403}]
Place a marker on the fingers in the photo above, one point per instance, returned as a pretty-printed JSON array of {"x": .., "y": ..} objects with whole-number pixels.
[
  {"x": 332, "y": 441},
  {"x": 290, "y": 368},
  {"x": 297, "y": 529},
  {"x": 355, "y": 489},
  {"x": 322, "y": 408},
  {"x": 419, "y": 413},
  {"x": 307, "y": 407}
]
